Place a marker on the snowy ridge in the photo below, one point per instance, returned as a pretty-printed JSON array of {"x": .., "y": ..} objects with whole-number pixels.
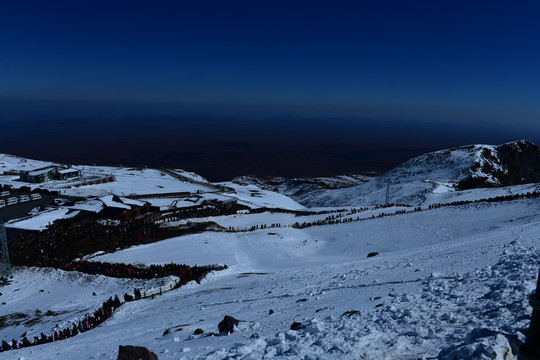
[
  {"x": 426, "y": 177},
  {"x": 301, "y": 189},
  {"x": 17, "y": 163}
]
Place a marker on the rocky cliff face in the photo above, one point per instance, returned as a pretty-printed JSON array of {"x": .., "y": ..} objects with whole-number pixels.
[{"x": 507, "y": 164}]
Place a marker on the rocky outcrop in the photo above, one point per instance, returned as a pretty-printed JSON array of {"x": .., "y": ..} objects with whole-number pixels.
[
  {"x": 510, "y": 164},
  {"x": 130, "y": 352},
  {"x": 227, "y": 325}
]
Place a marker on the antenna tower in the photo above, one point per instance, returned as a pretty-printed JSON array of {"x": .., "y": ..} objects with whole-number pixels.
[{"x": 5, "y": 269}]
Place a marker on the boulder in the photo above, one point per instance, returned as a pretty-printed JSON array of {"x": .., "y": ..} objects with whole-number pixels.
[
  {"x": 130, "y": 352},
  {"x": 227, "y": 324}
]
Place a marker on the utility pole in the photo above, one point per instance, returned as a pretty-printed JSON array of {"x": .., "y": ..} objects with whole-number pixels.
[
  {"x": 387, "y": 201},
  {"x": 5, "y": 270}
]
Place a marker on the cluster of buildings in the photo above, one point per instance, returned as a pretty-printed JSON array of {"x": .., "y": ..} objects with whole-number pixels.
[{"x": 49, "y": 173}]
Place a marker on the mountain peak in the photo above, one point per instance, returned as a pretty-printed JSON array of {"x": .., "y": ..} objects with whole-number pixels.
[{"x": 461, "y": 168}]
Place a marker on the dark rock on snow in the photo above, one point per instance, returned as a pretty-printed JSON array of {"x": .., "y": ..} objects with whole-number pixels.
[
  {"x": 227, "y": 324},
  {"x": 350, "y": 313},
  {"x": 372, "y": 254},
  {"x": 129, "y": 352}
]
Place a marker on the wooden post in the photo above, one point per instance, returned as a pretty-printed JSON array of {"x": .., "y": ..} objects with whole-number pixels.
[{"x": 531, "y": 349}]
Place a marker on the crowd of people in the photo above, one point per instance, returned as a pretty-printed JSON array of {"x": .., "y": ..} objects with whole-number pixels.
[
  {"x": 345, "y": 215},
  {"x": 184, "y": 272},
  {"x": 129, "y": 271},
  {"x": 69, "y": 239},
  {"x": 198, "y": 211},
  {"x": 509, "y": 197},
  {"x": 62, "y": 247},
  {"x": 87, "y": 323}
]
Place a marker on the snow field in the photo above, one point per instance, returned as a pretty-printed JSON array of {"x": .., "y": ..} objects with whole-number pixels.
[
  {"x": 448, "y": 283},
  {"x": 255, "y": 197},
  {"x": 452, "y": 282}
]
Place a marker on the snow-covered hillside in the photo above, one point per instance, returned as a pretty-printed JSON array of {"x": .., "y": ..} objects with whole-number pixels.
[
  {"x": 426, "y": 178},
  {"x": 183, "y": 188},
  {"x": 451, "y": 281},
  {"x": 302, "y": 189},
  {"x": 358, "y": 281}
]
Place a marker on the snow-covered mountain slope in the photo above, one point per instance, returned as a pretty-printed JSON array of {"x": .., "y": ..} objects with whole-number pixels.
[
  {"x": 130, "y": 181},
  {"x": 255, "y": 197},
  {"x": 425, "y": 177},
  {"x": 16, "y": 163},
  {"x": 451, "y": 282},
  {"x": 302, "y": 188}
]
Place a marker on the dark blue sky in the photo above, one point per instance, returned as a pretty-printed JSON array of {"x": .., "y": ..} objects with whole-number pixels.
[
  {"x": 451, "y": 62},
  {"x": 425, "y": 55}
]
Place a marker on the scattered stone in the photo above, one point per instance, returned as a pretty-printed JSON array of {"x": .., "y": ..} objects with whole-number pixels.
[
  {"x": 198, "y": 331},
  {"x": 177, "y": 327},
  {"x": 335, "y": 349},
  {"x": 270, "y": 312},
  {"x": 296, "y": 326},
  {"x": 301, "y": 300},
  {"x": 130, "y": 352},
  {"x": 227, "y": 324},
  {"x": 372, "y": 254},
  {"x": 350, "y": 313},
  {"x": 379, "y": 305}
]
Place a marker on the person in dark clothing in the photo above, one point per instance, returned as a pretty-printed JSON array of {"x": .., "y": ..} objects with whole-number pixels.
[
  {"x": 116, "y": 302},
  {"x": 5, "y": 346}
]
